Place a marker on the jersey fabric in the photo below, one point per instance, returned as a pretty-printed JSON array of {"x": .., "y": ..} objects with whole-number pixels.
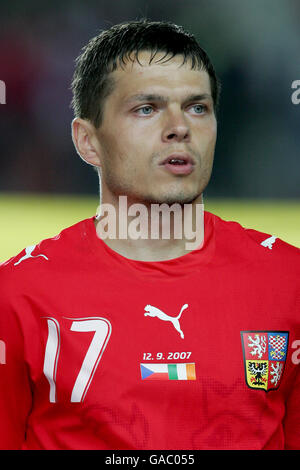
[{"x": 199, "y": 352}]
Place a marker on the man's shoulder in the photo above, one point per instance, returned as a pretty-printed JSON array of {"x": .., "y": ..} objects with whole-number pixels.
[
  {"x": 51, "y": 253},
  {"x": 256, "y": 243}
]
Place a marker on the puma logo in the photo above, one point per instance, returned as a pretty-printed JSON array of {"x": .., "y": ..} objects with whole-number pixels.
[
  {"x": 268, "y": 243},
  {"x": 156, "y": 312},
  {"x": 28, "y": 254}
]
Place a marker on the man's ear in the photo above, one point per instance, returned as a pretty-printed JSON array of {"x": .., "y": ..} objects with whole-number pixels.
[{"x": 85, "y": 142}]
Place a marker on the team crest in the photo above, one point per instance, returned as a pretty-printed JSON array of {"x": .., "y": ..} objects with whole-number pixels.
[{"x": 264, "y": 358}]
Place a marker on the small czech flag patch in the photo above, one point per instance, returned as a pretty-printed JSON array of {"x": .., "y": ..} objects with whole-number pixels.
[{"x": 168, "y": 371}]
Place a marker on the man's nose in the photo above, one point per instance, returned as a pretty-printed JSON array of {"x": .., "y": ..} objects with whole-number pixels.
[{"x": 176, "y": 128}]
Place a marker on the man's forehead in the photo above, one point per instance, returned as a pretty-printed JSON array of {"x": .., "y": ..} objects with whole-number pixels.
[
  {"x": 141, "y": 75},
  {"x": 147, "y": 57},
  {"x": 134, "y": 61}
]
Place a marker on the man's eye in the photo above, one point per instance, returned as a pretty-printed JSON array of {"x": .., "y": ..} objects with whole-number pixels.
[
  {"x": 199, "y": 108},
  {"x": 145, "y": 110}
]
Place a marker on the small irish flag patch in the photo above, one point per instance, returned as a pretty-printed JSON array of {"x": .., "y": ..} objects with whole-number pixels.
[{"x": 168, "y": 371}]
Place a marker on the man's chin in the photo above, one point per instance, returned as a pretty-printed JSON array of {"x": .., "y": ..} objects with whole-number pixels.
[{"x": 174, "y": 199}]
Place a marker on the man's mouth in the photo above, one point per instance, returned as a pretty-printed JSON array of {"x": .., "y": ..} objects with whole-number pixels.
[{"x": 178, "y": 164}]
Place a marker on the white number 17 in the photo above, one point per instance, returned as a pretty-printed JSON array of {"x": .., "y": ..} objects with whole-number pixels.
[{"x": 102, "y": 329}]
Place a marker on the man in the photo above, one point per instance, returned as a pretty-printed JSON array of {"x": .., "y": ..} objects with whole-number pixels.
[{"x": 144, "y": 342}]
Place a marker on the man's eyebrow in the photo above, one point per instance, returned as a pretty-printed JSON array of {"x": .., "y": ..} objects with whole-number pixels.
[
  {"x": 147, "y": 97},
  {"x": 200, "y": 97},
  {"x": 151, "y": 97}
]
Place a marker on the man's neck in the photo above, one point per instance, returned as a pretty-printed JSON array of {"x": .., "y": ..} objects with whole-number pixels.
[{"x": 151, "y": 232}]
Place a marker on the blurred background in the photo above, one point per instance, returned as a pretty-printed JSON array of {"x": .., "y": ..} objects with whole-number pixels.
[{"x": 45, "y": 186}]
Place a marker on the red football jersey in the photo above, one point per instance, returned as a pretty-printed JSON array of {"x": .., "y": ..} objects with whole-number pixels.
[{"x": 98, "y": 351}]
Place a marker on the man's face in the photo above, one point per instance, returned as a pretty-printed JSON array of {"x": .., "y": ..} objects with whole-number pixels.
[{"x": 157, "y": 138}]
